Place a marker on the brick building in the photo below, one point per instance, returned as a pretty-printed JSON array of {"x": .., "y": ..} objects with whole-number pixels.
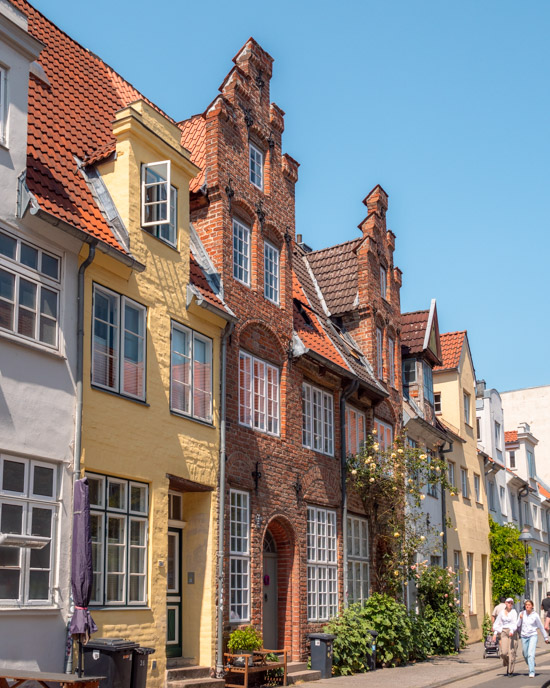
[{"x": 313, "y": 364}]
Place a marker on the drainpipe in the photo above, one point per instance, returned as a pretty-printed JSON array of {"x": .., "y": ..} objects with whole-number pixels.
[
  {"x": 346, "y": 393},
  {"x": 444, "y": 508},
  {"x": 221, "y": 499}
]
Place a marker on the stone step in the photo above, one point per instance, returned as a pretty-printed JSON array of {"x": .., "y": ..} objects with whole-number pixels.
[
  {"x": 183, "y": 672},
  {"x": 303, "y": 676},
  {"x": 206, "y": 682},
  {"x": 293, "y": 667}
]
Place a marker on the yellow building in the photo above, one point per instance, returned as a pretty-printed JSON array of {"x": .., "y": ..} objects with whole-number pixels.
[
  {"x": 468, "y": 535},
  {"x": 150, "y": 429}
]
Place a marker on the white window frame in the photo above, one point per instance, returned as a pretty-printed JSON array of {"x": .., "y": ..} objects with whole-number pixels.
[
  {"x": 498, "y": 434},
  {"x": 193, "y": 337},
  {"x": 477, "y": 487},
  {"x": 317, "y": 419},
  {"x": 512, "y": 459},
  {"x": 241, "y": 252},
  {"x": 168, "y": 233},
  {"x": 451, "y": 472},
  {"x": 322, "y": 564},
  {"x": 531, "y": 466},
  {"x": 3, "y": 106},
  {"x": 502, "y": 499},
  {"x": 127, "y": 516},
  {"x": 391, "y": 361},
  {"x": 119, "y": 352},
  {"x": 464, "y": 485},
  {"x": 383, "y": 281},
  {"x": 358, "y": 559},
  {"x": 382, "y": 429},
  {"x": 239, "y": 556},
  {"x": 256, "y": 166},
  {"x": 467, "y": 399},
  {"x": 355, "y": 420},
  {"x": 145, "y": 186},
  {"x": 380, "y": 353},
  {"x": 470, "y": 572},
  {"x": 271, "y": 273},
  {"x": 491, "y": 495},
  {"x": 259, "y": 396}
]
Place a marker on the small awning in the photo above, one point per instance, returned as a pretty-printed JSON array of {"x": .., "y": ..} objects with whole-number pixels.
[{"x": 185, "y": 485}]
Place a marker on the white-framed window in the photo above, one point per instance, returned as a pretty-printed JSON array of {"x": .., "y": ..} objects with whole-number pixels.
[
  {"x": 531, "y": 469},
  {"x": 239, "y": 556},
  {"x": 119, "y": 512},
  {"x": 3, "y": 105},
  {"x": 451, "y": 472},
  {"x": 258, "y": 394},
  {"x": 456, "y": 566},
  {"x": 271, "y": 273},
  {"x": 356, "y": 430},
  {"x": 535, "y": 517},
  {"x": 322, "y": 570},
  {"x": 379, "y": 352},
  {"x": 191, "y": 373},
  {"x": 29, "y": 291},
  {"x": 28, "y": 507},
  {"x": 317, "y": 419},
  {"x": 168, "y": 232},
  {"x": 467, "y": 404},
  {"x": 477, "y": 487},
  {"x": 502, "y": 492},
  {"x": 391, "y": 361},
  {"x": 498, "y": 434},
  {"x": 470, "y": 572},
  {"x": 383, "y": 281},
  {"x": 155, "y": 194},
  {"x": 512, "y": 459},
  {"x": 526, "y": 513},
  {"x": 358, "y": 559},
  {"x": 464, "y": 483},
  {"x": 409, "y": 373},
  {"x": 432, "y": 484},
  {"x": 491, "y": 496},
  {"x": 513, "y": 505},
  {"x": 384, "y": 432},
  {"x": 428, "y": 383},
  {"x": 241, "y": 252},
  {"x": 119, "y": 343},
  {"x": 256, "y": 158}
]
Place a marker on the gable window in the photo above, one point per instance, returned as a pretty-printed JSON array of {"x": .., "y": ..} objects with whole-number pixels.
[
  {"x": 191, "y": 373},
  {"x": 239, "y": 556},
  {"x": 118, "y": 349},
  {"x": 119, "y": 525},
  {"x": 356, "y": 432},
  {"x": 241, "y": 252},
  {"x": 155, "y": 194},
  {"x": 3, "y": 106},
  {"x": 464, "y": 483},
  {"x": 379, "y": 352},
  {"x": 384, "y": 432},
  {"x": 358, "y": 559},
  {"x": 322, "y": 582},
  {"x": 29, "y": 291},
  {"x": 28, "y": 507},
  {"x": 466, "y": 397},
  {"x": 317, "y": 419},
  {"x": 271, "y": 273},
  {"x": 391, "y": 361},
  {"x": 437, "y": 402},
  {"x": 256, "y": 167},
  {"x": 383, "y": 282},
  {"x": 258, "y": 394},
  {"x": 428, "y": 383}
]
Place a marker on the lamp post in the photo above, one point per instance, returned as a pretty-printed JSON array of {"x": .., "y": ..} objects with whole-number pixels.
[{"x": 525, "y": 537}]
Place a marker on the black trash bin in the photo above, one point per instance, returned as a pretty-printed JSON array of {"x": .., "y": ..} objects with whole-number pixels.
[
  {"x": 112, "y": 658},
  {"x": 371, "y": 659},
  {"x": 139, "y": 666},
  {"x": 321, "y": 653}
]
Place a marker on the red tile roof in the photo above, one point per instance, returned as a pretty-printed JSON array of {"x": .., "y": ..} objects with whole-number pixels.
[
  {"x": 413, "y": 330},
  {"x": 451, "y": 349},
  {"x": 510, "y": 436},
  {"x": 193, "y": 137},
  {"x": 339, "y": 286},
  {"x": 198, "y": 279},
  {"x": 544, "y": 492}
]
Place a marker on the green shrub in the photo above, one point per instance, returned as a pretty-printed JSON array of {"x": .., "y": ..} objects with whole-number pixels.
[
  {"x": 246, "y": 639},
  {"x": 391, "y": 619},
  {"x": 421, "y": 646},
  {"x": 352, "y": 644},
  {"x": 487, "y": 626}
]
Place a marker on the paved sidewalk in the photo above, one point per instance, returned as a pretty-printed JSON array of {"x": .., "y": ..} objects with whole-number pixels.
[{"x": 438, "y": 671}]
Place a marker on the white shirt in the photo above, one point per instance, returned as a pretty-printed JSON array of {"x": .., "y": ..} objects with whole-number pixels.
[
  {"x": 507, "y": 621},
  {"x": 530, "y": 623}
]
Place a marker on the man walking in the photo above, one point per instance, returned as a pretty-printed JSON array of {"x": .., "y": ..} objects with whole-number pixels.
[
  {"x": 545, "y": 604},
  {"x": 499, "y": 608},
  {"x": 506, "y": 624}
]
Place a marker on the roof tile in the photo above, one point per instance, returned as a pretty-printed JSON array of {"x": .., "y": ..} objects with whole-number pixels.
[
  {"x": 413, "y": 330},
  {"x": 510, "y": 436},
  {"x": 451, "y": 349},
  {"x": 339, "y": 286}
]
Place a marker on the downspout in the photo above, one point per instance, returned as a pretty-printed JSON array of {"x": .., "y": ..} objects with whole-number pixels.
[
  {"x": 346, "y": 393},
  {"x": 444, "y": 509},
  {"x": 221, "y": 499}
]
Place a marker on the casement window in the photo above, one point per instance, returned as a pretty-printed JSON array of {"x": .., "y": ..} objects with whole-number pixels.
[
  {"x": 241, "y": 252},
  {"x": 513, "y": 505},
  {"x": 383, "y": 282},
  {"x": 467, "y": 409},
  {"x": 526, "y": 514},
  {"x": 531, "y": 464},
  {"x": 322, "y": 579},
  {"x": 470, "y": 572},
  {"x": 451, "y": 473},
  {"x": 379, "y": 353},
  {"x": 155, "y": 194},
  {"x": 191, "y": 373},
  {"x": 118, "y": 349},
  {"x": 317, "y": 419},
  {"x": 477, "y": 487},
  {"x": 512, "y": 459},
  {"x": 535, "y": 521},
  {"x": 503, "y": 507},
  {"x": 256, "y": 158},
  {"x": 491, "y": 496},
  {"x": 498, "y": 434},
  {"x": 456, "y": 566},
  {"x": 271, "y": 273},
  {"x": 3, "y": 106},
  {"x": 409, "y": 374},
  {"x": 239, "y": 556},
  {"x": 168, "y": 232},
  {"x": 428, "y": 383},
  {"x": 29, "y": 291},
  {"x": 391, "y": 361},
  {"x": 435, "y": 560},
  {"x": 119, "y": 511},
  {"x": 384, "y": 432},
  {"x": 464, "y": 483},
  {"x": 356, "y": 431},
  {"x": 258, "y": 394},
  {"x": 29, "y": 505},
  {"x": 437, "y": 402},
  {"x": 358, "y": 559}
]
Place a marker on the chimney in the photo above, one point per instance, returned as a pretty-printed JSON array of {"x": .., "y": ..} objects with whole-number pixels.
[{"x": 480, "y": 388}]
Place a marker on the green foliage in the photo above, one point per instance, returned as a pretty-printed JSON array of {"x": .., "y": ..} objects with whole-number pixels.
[
  {"x": 421, "y": 646},
  {"x": 507, "y": 560},
  {"x": 352, "y": 644},
  {"x": 391, "y": 619},
  {"x": 487, "y": 626},
  {"x": 245, "y": 639}
]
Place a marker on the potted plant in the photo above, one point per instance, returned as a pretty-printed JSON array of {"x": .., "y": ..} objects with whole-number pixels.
[{"x": 244, "y": 640}]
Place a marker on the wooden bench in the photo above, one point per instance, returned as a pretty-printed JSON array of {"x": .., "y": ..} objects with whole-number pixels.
[
  {"x": 19, "y": 676},
  {"x": 259, "y": 665}
]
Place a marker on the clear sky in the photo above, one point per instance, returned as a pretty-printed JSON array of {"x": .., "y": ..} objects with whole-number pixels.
[{"x": 445, "y": 104}]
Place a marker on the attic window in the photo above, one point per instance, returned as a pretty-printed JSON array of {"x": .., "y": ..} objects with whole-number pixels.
[
  {"x": 303, "y": 313},
  {"x": 155, "y": 196}
]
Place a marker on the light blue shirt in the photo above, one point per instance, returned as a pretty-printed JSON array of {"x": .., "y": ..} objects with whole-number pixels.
[{"x": 530, "y": 623}]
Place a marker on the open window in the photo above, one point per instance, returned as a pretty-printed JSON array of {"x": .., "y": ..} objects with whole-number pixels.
[{"x": 155, "y": 194}]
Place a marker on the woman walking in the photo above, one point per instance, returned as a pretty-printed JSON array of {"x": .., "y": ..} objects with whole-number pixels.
[
  {"x": 529, "y": 622},
  {"x": 506, "y": 624}
]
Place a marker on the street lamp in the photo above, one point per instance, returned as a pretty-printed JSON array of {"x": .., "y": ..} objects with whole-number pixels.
[{"x": 525, "y": 537}]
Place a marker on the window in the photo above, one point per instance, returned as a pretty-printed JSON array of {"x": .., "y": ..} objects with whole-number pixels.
[
  {"x": 241, "y": 252},
  {"x": 118, "y": 350},
  {"x": 383, "y": 282},
  {"x": 432, "y": 485},
  {"x": 28, "y": 507},
  {"x": 356, "y": 432},
  {"x": 379, "y": 353},
  {"x": 451, "y": 473},
  {"x": 119, "y": 512},
  {"x": 239, "y": 560},
  {"x": 428, "y": 384},
  {"x": 409, "y": 373},
  {"x": 258, "y": 394},
  {"x": 322, "y": 583},
  {"x": 437, "y": 402},
  {"x": 498, "y": 435},
  {"x": 535, "y": 522},
  {"x": 478, "y": 428},
  {"x": 29, "y": 291},
  {"x": 271, "y": 273},
  {"x": 191, "y": 373},
  {"x": 391, "y": 361},
  {"x": 464, "y": 483},
  {"x": 456, "y": 565},
  {"x": 470, "y": 572},
  {"x": 512, "y": 458},
  {"x": 358, "y": 559},
  {"x": 491, "y": 495},
  {"x": 526, "y": 513},
  {"x": 384, "y": 433},
  {"x": 155, "y": 196},
  {"x": 502, "y": 493},
  {"x": 168, "y": 232},
  {"x": 513, "y": 506},
  {"x": 531, "y": 464},
  {"x": 466, "y": 408},
  {"x": 435, "y": 560},
  {"x": 256, "y": 167},
  {"x": 477, "y": 487},
  {"x": 317, "y": 420},
  {"x": 3, "y": 106}
]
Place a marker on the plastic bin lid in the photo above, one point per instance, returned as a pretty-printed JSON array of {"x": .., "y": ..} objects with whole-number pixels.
[
  {"x": 321, "y": 636},
  {"x": 111, "y": 644},
  {"x": 144, "y": 650}
]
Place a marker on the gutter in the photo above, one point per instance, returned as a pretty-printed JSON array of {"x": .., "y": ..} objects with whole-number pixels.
[{"x": 346, "y": 393}]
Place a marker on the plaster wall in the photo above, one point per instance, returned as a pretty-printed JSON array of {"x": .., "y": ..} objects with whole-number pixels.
[{"x": 488, "y": 412}]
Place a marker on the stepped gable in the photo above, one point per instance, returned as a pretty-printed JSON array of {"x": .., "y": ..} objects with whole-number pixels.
[
  {"x": 451, "y": 349},
  {"x": 339, "y": 286},
  {"x": 413, "y": 330}
]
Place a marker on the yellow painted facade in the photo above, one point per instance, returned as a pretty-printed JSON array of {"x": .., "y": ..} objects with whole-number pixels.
[
  {"x": 145, "y": 441},
  {"x": 469, "y": 531}
]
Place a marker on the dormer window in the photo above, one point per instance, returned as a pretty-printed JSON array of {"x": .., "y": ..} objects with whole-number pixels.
[
  {"x": 155, "y": 197},
  {"x": 3, "y": 106},
  {"x": 256, "y": 167}
]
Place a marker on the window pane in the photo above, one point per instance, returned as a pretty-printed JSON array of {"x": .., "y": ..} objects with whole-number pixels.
[
  {"x": 134, "y": 344},
  {"x": 116, "y": 496},
  {"x": 27, "y": 309},
  {"x": 29, "y": 256},
  {"x": 39, "y": 585},
  {"x": 202, "y": 379},
  {"x": 95, "y": 490},
  {"x": 43, "y": 481},
  {"x": 12, "y": 518},
  {"x": 9, "y": 556},
  {"x": 9, "y": 584},
  {"x": 41, "y": 522},
  {"x": 13, "y": 478},
  {"x": 50, "y": 266},
  {"x": 105, "y": 351},
  {"x": 48, "y": 303},
  {"x": 8, "y": 245},
  {"x": 40, "y": 558},
  {"x": 7, "y": 295},
  {"x": 181, "y": 370},
  {"x": 138, "y": 498}
]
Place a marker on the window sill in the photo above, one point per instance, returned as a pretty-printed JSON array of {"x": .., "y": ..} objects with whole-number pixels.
[
  {"x": 119, "y": 396},
  {"x": 114, "y": 608},
  {"x": 244, "y": 284},
  {"x": 466, "y": 499},
  {"x": 29, "y": 609},
  {"x": 33, "y": 346},
  {"x": 178, "y": 414},
  {"x": 316, "y": 451},
  {"x": 261, "y": 432}
]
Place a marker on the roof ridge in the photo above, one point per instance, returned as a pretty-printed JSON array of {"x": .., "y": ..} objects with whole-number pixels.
[
  {"x": 425, "y": 310},
  {"x": 447, "y": 334},
  {"x": 327, "y": 248}
]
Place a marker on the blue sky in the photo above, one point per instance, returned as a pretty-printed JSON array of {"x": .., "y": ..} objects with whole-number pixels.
[{"x": 445, "y": 104}]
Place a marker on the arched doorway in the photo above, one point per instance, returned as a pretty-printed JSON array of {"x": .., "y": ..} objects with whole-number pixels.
[{"x": 270, "y": 613}]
